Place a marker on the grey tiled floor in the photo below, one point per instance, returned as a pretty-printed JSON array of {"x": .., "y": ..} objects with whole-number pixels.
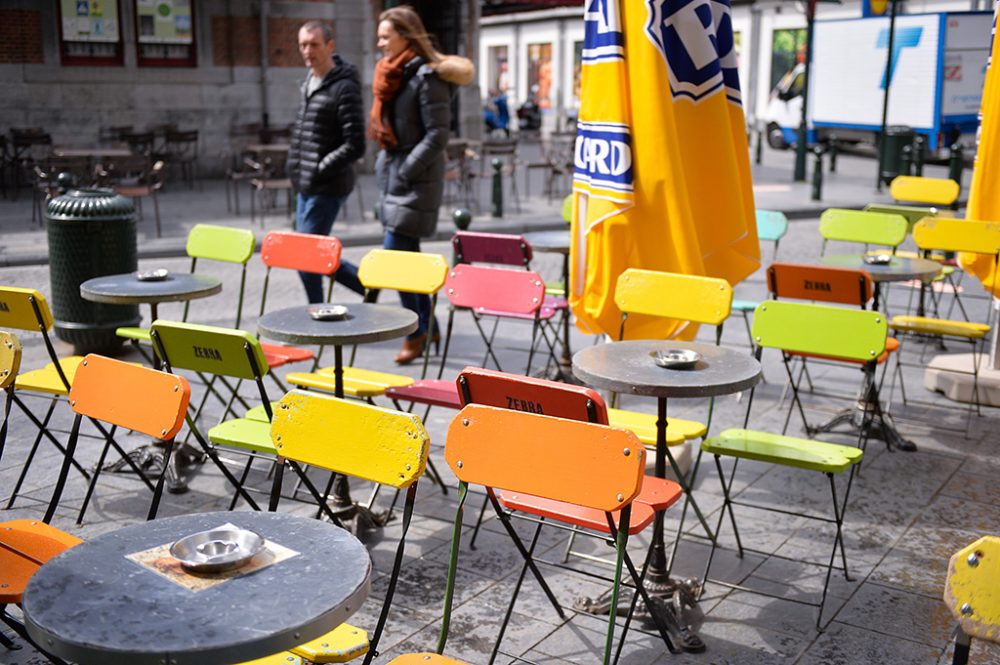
[{"x": 908, "y": 512}]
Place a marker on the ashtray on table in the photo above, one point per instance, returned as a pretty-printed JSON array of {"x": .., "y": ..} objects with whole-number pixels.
[
  {"x": 676, "y": 358},
  {"x": 328, "y": 312},
  {"x": 217, "y": 550},
  {"x": 157, "y": 275},
  {"x": 877, "y": 259}
]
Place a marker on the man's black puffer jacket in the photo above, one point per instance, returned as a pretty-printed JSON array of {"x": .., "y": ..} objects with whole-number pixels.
[{"x": 329, "y": 134}]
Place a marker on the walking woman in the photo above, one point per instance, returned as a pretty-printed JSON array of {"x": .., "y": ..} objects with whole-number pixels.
[{"x": 410, "y": 117}]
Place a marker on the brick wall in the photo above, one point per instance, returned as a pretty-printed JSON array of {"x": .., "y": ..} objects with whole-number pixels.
[
  {"x": 243, "y": 50},
  {"x": 20, "y": 36}
]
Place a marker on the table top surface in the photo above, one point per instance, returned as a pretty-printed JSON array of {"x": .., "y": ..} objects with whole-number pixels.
[
  {"x": 92, "y": 152},
  {"x": 364, "y": 323},
  {"x": 127, "y": 289},
  {"x": 549, "y": 241},
  {"x": 263, "y": 147},
  {"x": 900, "y": 269},
  {"x": 628, "y": 367},
  {"x": 92, "y": 605}
]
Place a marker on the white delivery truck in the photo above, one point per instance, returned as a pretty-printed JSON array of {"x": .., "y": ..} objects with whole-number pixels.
[{"x": 936, "y": 81}]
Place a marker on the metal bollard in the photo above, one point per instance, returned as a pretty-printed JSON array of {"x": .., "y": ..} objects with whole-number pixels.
[
  {"x": 905, "y": 160},
  {"x": 462, "y": 218},
  {"x": 918, "y": 155},
  {"x": 956, "y": 164},
  {"x": 759, "y": 149},
  {"x": 497, "y": 187},
  {"x": 817, "y": 179},
  {"x": 834, "y": 149}
]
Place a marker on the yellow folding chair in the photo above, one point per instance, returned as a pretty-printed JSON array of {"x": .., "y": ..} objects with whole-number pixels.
[
  {"x": 953, "y": 235},
  {"x": 970, "y": 593},
  {"x": 129, "y": 396},
  {"x": 10, "y": 363},
  {"x": 382, "y": 446},
  {"x": 810, "y": 329}
]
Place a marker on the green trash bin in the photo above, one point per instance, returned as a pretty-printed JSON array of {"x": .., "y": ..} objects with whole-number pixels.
[
  {"x": 91, "y": 233},
  {"x": 896, "y": 136}
]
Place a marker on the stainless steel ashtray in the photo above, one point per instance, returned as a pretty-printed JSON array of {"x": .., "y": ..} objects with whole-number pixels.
[
  {"x": 328, "y": 312},
  {"x": 217, "y": 550},
  {"x": 157, "y": 275},
  {"x": 878, "y": 259},
  {"x": 676, "y": 358}
]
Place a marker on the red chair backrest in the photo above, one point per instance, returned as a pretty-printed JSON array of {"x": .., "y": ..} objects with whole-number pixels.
[
  {"x": 526, "y": 393},
  {"x": 812, "y": 282},
  {"x": 501, "y": 289},
  {"x": 498, "y": 248},
  {"x": 301, "y": 251}
]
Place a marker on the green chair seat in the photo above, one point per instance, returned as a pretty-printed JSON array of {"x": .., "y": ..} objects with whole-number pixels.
[
  {"x": 929, "y": 326},
  {"x": 259, "y": 412},
  {"x": 244, "y": 433},
  {"x": 744, "y": 305},
  {"x": 784, "y": 450},
  {"x": 137, "y": 334}
]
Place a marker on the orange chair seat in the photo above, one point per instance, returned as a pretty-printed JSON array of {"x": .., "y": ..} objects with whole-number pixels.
[
  {"x": 289, "y": 354},
  {"x": 658, "y": 493},
  {"x": 24, "y": 546},
  {"x": 587, "y": 518},
  {"x": 891, "y": 346}
]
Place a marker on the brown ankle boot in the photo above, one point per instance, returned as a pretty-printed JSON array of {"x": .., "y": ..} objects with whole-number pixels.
[{"x": 412, "y": 349}]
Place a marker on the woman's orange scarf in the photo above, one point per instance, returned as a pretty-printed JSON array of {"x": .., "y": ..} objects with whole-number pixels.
[{"x": 388, "y": 78}]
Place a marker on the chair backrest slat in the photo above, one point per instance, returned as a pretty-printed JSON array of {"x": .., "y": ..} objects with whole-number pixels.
[
  {"x": 876, "y": 228},
  {"x": 771, "y": 225},
  {"x": 486, "y": 287},
  {"x": 210, "y": 349},
  {"x": 10, "y": 358},
  {"x": 16, "y": 310},
  {"x": 920, "y": 189},
  {"x": 497, "y": 248},
  {"x": 525, "y": 452},
  {"x": 220, "y": 243},
  {"x": 854, "y": 334},
  {"x": 525, "y": 393},
  {"x": 957, "y": 235},
  {"x": 674, "y": 296},
  {"x": 307, "y": 252},
  {"x": 813, "y": 282},
  {"x": 414, "y": 272},
  {"x": 130, "y": 396},
  {"x": 351, "y": 437}
]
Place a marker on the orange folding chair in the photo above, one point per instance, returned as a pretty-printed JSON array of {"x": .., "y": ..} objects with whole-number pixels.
[{"x": 129, "y": 396}]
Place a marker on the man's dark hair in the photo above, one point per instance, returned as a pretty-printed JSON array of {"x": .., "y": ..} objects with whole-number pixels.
[{"x": 319, "y": 25}]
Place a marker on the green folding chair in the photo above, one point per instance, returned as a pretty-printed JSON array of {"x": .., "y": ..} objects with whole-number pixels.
[
  {"x": 811, "y": 329},
  {"x": 869, "y": 228}
]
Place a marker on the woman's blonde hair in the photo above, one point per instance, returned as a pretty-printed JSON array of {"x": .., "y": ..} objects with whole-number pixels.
[{"x": 407, "y": 23}]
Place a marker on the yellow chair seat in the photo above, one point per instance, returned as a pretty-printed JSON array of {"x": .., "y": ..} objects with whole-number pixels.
[
  {"x": 46, "y": 380},
  {"x": 244, "y": 433},
  {"x": 340, "y": 645},
  {"x": 283, "y": 658},
  {"x": 928, "y": 326},
  {"x": 138, "y": 334},
  {"x": 643, "y": 425},
  {"x": 425, "y": 659},
  {"x": 784, "y": 450},
  {"x": 358, "y": 382}
]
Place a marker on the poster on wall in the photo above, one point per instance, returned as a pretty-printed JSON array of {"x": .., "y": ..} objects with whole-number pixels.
[
  {"x": 164, "y": 21},
  {"x": 90, "y": 20}
]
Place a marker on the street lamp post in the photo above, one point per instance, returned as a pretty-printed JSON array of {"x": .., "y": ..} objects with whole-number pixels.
[
  {"x": 885, "y": 96},
  {"x": 801, "y": 147}
]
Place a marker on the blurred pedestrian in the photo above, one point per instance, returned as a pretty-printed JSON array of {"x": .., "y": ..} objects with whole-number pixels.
[
  {"x": 328, "y": 138},
  {"x": 410, "y": 117}
]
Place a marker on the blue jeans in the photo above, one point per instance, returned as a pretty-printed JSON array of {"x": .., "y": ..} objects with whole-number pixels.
[
  {"x": 315, "y": 213},
  {"x": 415, "y": 302}
]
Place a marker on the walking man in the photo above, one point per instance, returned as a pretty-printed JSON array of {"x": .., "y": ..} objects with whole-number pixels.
[{"x": 328, "y": 138}]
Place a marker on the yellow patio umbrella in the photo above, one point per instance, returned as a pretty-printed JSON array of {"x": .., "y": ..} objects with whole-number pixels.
[
  {"x": 662, "y": 173},
  {"x": 984, "y": 197}
]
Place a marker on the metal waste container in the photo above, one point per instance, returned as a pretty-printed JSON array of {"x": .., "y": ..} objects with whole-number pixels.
[
  {"x": 91, "y": 233},
  {"x": 895, "y": 138}
]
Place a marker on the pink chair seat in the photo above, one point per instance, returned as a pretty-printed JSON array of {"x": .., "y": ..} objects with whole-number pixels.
[{"x": 435, "y": 392}]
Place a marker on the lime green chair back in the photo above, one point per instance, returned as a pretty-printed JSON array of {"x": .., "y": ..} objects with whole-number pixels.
[
  {"x": 567, "y": 209},
  {"x": 24, "y": 309},
  {"x": 675, "y": 296},
  {"x": 918, "y": 189},
  {"x": 209, "y": 349},
  {"x": 874, "y": 228},
  {"x": 220, "y": 243},
  {"x": 957, "y": 235},
  {"x": 415, "y": 272},
  {"x": 10, "y": 360},
  {"x": 852, "y": 334},
  {"x": 370, "y": 442}
]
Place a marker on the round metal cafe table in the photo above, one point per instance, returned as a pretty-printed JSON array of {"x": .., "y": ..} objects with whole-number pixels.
[
  {"x": 128, "y": 289},
  {"x": 92, "y": 604}
]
